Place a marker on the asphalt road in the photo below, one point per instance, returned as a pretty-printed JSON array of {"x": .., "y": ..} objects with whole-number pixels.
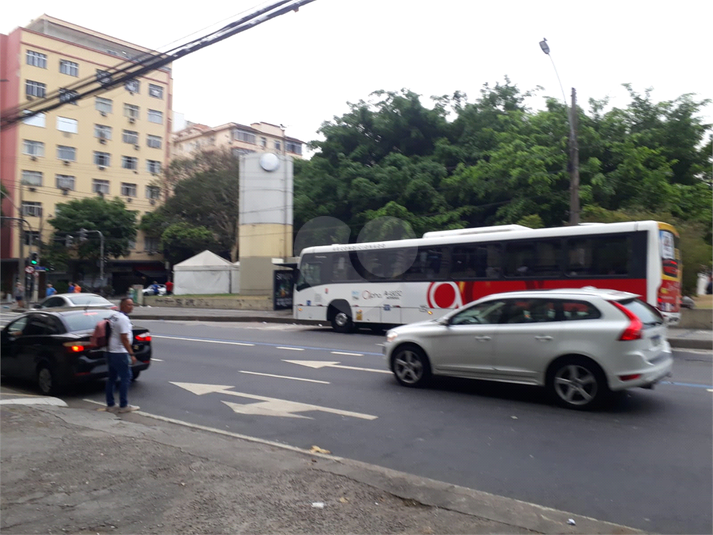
[{"x": 645, "y": 461}]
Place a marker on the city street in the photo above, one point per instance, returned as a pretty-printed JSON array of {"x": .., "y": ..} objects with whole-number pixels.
[{"x": 644, "y": 461}]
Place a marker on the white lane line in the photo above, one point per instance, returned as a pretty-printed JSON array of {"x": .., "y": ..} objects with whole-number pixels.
[
  {"x": 291, "y": 348},
  {"x": 203, "y": 341},
  {"x": 156, "y": 360},
  {"x": 286, "y": 377},
  {"x": 348, "y": 354}
]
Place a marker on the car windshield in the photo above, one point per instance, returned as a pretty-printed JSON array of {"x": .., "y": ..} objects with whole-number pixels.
[
  {"x": 86, "y": 321},
  {"x": 645, "y": 312},
  {"x": 88, "y": 299}
]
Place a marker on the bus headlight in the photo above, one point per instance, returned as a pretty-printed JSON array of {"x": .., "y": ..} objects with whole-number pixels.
[{"x": 391, "y": 336}]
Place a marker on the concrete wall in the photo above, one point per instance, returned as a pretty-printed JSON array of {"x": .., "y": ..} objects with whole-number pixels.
[
  {"x": 258, "y": 302},
  {"x": 698, "y": 318}
]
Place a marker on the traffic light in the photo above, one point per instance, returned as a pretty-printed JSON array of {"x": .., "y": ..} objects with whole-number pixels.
[
  {"x": 34, "y": 259},
  {"x": 82, "y": 234}
]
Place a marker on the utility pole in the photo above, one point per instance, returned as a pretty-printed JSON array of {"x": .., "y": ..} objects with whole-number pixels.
[
  {"x": 83, "y": 236},
  {"x": 574, "y": 163}
]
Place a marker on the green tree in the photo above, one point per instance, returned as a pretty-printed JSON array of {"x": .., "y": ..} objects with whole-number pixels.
[
  {"x": 182, "y": 240},
  {"x": 206, "y": 195},
  {"x": 110, "y": 217}
]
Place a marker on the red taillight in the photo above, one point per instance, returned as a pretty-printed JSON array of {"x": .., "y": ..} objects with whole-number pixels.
[
  {"x": 633, "y": 331},
  {"x": 76, "y": 347},
  {"x": 630, "y": 377},
  {"x": 145, "y": 337}
]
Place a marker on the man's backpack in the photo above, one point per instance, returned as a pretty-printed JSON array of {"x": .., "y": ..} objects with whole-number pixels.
[{"x": 101, "y": 334}]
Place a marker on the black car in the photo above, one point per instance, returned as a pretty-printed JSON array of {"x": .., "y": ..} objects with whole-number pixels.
[{"x": 53, "y": 349}]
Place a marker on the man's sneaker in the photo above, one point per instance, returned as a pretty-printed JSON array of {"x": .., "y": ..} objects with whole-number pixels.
[
  {"x": 113, "y": 409},
  {"x": 128, "y": 408}
]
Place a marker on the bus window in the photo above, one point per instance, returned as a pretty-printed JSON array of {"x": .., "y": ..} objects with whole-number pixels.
[
  {"x": 476, "y": 262},
  {"x": 602, "y": 255},
  {"x": 427, "y": 266},
  {"x": 342, "y": 269},
  {"x": 533, "y": 259},
  {"x": 310, "y": 272}
]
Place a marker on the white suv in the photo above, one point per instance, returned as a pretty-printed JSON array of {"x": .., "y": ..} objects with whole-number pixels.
[{"x": 580, "y": 344}]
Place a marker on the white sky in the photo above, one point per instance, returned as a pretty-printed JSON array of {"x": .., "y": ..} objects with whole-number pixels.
[{"x": 302, "y": 68}]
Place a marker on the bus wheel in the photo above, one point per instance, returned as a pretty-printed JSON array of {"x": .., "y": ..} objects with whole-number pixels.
[{"x": 342, "y": 322}]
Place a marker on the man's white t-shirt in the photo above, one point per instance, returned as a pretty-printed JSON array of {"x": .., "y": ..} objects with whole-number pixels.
[{"x": 120, "y": 324}]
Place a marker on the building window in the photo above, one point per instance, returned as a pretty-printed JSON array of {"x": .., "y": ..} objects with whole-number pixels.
[
  {"x": 103, "y": 105},
  {"x": 153, "y": 192},
  {"x": 242, "y": 135},
  {"x": 129, "y": 136},
  {"x": 31, "y": 237},
  {"x": 155, "y": 116},
  {"x": 131, "y": 111},
  {"x": 65, "y": 124},
  {"x": 35, "y": 89},
  {"x": 68, "y": 67},
  {"x": 32, "y": 178},
  {"x": 150, "y": 244},
  {"x": 100, "y": 186},
  {"x": 263, "y": 142},
  {"x": 128, "y": 190},
  {"x": 68, "y": 154},
  {"x": 154, "y": 142},
  {"x": 155, "y": 91},
  {"x": 128, "y": 162},
  {"x": 102, "y": 158},
  {"x": 35, "y": 120},
  {"x": 36, "y": 59},
  {"x": 65, "y": 182},
  {"x": 103, "y": 77},
  {"x": 294, "y": 148},
  {"x": 33, "y": 148},
  {"x": 132, "y": 86},
  {"x": 32, "y": 209},
  {"x": 153, "y": 166},
  {"x": 132, "y": 245},
  {"x": 102, "y": 131}
]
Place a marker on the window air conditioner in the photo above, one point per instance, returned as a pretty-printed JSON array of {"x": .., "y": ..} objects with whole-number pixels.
[
  {"x": 32, "y": 188},
  {"x": 128, "y": 199},
  {"x": 102, "y": 141},
  {"x": 102, "y": 167},
  {"x": 33, "y": 158},
  {"x": 65, "y": 191},
  {"x": 137, "y": 146},
  {"x": 66, "y": 162},
  {"x": 132, "y": 120},
  {"x": 152, "y": 202},
  {"x": 103, "y": 113}
]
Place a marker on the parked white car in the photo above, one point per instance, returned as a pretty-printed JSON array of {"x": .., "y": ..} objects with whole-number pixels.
[
  {"x": 580, "y": 344},
  {"x": 149, "y": 290}
]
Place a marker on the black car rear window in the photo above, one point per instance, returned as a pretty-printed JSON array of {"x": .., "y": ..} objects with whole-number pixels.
[
  {"x": 80, "y": 299},
  {"x": 645, "y": 312},
  {"x": 86, "y": 321}
]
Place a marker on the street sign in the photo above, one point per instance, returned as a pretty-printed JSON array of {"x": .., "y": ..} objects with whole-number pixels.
[{"x": 29, "y": 270}]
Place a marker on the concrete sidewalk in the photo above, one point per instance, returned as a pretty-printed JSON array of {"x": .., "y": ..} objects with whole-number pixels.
[
  {"x": 678, "y": 338},
  {"x": 76, "y": 470}
]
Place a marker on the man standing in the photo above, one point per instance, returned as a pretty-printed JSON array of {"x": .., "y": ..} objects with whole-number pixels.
[
  {"x": 70, "y": 288},
  {"x": 119, "y": 357},
  {"x": 50, "y": 290},
  {"x": 169, "y": 288},
  {"x": 77, "y": 288}
]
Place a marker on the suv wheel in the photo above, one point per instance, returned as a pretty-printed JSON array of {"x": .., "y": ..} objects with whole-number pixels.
[
  {"x": 577, "y": 383},
  {"x": 410, "y": 366}
]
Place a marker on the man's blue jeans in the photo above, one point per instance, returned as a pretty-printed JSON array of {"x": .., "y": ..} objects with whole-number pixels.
[{"x": 118, "y": 364}]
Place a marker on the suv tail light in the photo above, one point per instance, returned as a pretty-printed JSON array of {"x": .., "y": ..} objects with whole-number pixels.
[{"x": 633, "y": 331}]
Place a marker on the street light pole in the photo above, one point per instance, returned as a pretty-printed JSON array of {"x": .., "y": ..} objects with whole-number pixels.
[
  {"x": 82, "y": 237},
  {"x": 573, "y": 146}
]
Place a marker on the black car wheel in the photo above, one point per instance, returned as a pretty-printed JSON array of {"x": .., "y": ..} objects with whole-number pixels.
[
  {"x": 135, "y": 375},
  {"x": 410, "y": 366},
  {"x": 47, "y": 380},
  {"x": 577, "y": 383}
]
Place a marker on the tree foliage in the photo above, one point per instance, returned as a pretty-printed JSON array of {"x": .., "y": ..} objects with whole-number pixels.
[
  {"x": 494, "y": 161},
  {"x": 110, "y": 217},
  {"x": 204, "y": 195}
]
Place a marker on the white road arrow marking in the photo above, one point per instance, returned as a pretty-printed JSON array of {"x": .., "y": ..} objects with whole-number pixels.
[
  {"x": 285, "y": 377},
  {"x": 317, "y": 364},
  {"x": 273, "y": 407}
]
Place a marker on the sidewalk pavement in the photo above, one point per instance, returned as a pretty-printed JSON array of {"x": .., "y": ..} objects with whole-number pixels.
[
  {"x": 76, "y": 470},
  {"x": 678, "y": 338}
]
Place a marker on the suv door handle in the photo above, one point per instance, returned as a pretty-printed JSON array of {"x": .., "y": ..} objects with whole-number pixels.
[
  {"x": 482, "y": 338},
  {"x": 543, "y": 338}
]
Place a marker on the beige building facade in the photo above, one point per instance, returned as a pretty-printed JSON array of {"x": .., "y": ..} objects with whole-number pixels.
[
  {"x": 111, "y": 144},
  {"x": 238, "y": 138}
]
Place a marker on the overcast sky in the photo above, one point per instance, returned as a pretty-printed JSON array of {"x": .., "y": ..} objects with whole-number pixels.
[{"x": 302, "y": 68}]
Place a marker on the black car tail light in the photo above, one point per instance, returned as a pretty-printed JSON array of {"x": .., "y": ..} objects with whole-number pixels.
[
  {"x": 76, "y": 347},
  {"x": 143, "y": 337}
]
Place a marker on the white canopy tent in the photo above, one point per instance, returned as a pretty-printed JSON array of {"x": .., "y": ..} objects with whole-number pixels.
[{"x": 206, "y": 273}]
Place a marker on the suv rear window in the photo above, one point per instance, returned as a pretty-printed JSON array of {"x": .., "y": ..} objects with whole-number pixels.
[{"x": 648, "y": 315}]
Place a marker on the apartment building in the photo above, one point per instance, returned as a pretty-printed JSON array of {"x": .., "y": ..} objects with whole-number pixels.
[
  {"x": 112, "y": 144},
  {"x": 238, "y": 138}
]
